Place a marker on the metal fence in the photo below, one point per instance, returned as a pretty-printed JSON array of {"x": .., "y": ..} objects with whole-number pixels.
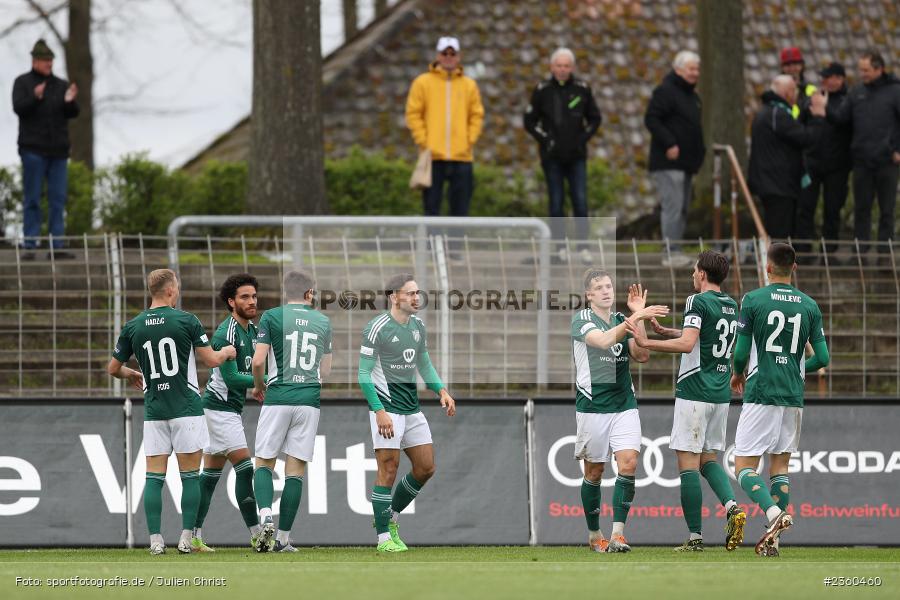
[{"x": 61, "y": 317}]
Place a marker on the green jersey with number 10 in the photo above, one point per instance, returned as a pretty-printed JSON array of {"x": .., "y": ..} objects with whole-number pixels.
[
  {"x": 298, "y": 337},
  {"x": 781, "y": 320},
  {"x": 163, "y": 340}
]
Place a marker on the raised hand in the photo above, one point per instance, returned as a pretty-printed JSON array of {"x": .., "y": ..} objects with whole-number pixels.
[
  {"x": 71, "y": 93},
  {"x": 39, "y": 90},
  {"x": 637, "y": 297}
]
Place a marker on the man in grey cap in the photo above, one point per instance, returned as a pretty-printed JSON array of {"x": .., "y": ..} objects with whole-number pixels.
[{"x": 44, "y": 104}]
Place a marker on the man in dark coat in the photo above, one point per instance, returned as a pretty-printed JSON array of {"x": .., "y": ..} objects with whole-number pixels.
[
  {"x": 44, "y": 104},
  {"x": 828, "y": 164},
  {"x": 873, "y": 109},
  {"x": 676, "y": 147},
  {"x": 562, "y": 116},
  {"x": 777, "y": 141}
]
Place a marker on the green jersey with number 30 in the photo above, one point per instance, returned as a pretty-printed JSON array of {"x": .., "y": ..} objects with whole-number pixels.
[
  {"x": 705, "y": 372},
  {"x": 298, "y": 337},
  {"x": 163, "y": 340},
  {"x": 781, "y": 320}
]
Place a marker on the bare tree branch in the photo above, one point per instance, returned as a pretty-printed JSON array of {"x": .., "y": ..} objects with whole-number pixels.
[
  {"x": 42, "y": 16},
  {"x": 191, "y": 24},
  {"x": 46, "y": 18}
]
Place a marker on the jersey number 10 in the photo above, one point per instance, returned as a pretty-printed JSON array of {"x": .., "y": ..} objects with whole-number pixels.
[{"x": 168, "y": 359}]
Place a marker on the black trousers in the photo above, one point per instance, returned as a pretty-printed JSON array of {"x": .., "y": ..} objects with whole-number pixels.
[
  {"x": 867, "y": 184},
  {"x": 833, "y": 187},
  {"x": 778, "y": 216}
]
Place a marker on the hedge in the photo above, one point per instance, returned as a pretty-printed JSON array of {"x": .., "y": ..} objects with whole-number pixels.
[{"x": 138, "y": 195}]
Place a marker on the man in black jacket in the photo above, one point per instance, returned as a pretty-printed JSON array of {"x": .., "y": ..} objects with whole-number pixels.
[
  {"x": 828, "y": 164},
  {"x": 562, "y": 117},
  {"x": 44, "y": 104},
  {"x": 777, "y": 141},
  {"x": 873, "y": 109},
  {"x": 676, "y": 147}
]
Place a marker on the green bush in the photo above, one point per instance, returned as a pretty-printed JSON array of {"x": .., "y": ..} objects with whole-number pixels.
[
  {"x": 138, "y": 195},
  {"x": 370, "y": 184},
  {"x": 80, "y": 201}
]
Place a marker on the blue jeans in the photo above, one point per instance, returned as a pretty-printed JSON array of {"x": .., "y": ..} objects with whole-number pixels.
[
  {"x": 575, "y": 172},
  {"x": 36, "y": 168},
  {"x": 458, "y": 175}
]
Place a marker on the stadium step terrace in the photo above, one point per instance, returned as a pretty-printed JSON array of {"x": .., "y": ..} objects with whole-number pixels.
[{"x": 57, "y": 318}]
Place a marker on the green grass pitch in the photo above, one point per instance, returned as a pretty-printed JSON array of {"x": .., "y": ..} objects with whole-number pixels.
[{"x": 549, "y": 573}]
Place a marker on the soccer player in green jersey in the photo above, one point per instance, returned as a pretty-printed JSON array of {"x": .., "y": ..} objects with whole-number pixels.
[
  {"x": 393, "y": 349},
  {"x": 223, "y": 403},
  {"x": 775, "y": 324},
  {"x": 606, "y": 411},
  {"x": 165, "y": 342},
  {"x": 294, "y": 340},
  {"x": 702, "y": 395}
]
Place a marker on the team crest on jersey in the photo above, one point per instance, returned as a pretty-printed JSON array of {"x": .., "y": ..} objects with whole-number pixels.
[
  {"x": 416, "y": 335},
  {"x": 409, "y": 354},
  {"x": 396, "y": 339},
  {"x": 616, "y": 349}
]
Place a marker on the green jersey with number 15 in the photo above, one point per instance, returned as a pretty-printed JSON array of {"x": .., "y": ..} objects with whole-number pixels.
[
  {"x": 781, "y": 319},
  {"x": 298, "y": 337}
]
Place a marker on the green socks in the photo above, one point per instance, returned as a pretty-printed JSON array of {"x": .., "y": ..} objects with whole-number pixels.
[
  {"x": 381, "y": 507},
  {"x": 406, "y": 492},
  {"x": 290, "y": 501},
  {"x": 780, "y": 490},
  {"x": 692, "y": 500},
  {"x": 753, "y": 484},
  {"x": 590, "y": 500},
  {"x": 717, "y": 479},
  {"x": 153, "y": 500},
  {"x": 243, "y": 492},
  {"x": 623, "y": 494},
  {"x": 262, "y": 485},
  {"x": 209, "y": 478},
  {"x": 190, "y": 498}
]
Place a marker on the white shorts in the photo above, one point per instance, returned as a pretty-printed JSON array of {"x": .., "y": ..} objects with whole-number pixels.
[
  {"x": 699, "y": 426},
  {"x": 598, "y": 435},
  {"x": 409, "y": 430},
  {"x": 184, "y": 435},
  {"x": 226, "y": 432},
  {"x": 288, "y": 429},
  {"x": 764, "y": 429}
]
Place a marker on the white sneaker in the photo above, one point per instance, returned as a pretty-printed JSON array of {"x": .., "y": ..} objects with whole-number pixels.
[
  {"x": 184, "y": 546},
  {"x": 265, "y": 542},
  {"x": 157, "y": 548},
  {"x": 279, "y": 547}
]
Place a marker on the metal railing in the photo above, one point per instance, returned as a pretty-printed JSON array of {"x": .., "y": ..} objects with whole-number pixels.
[{"x": 60, "y": 317}]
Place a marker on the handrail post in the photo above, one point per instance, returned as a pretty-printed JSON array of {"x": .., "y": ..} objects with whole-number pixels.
[{"x": 717, "y": 195}]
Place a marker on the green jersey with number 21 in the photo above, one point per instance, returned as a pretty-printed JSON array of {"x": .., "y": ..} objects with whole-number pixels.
[{"x": 781, "y": 320}]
